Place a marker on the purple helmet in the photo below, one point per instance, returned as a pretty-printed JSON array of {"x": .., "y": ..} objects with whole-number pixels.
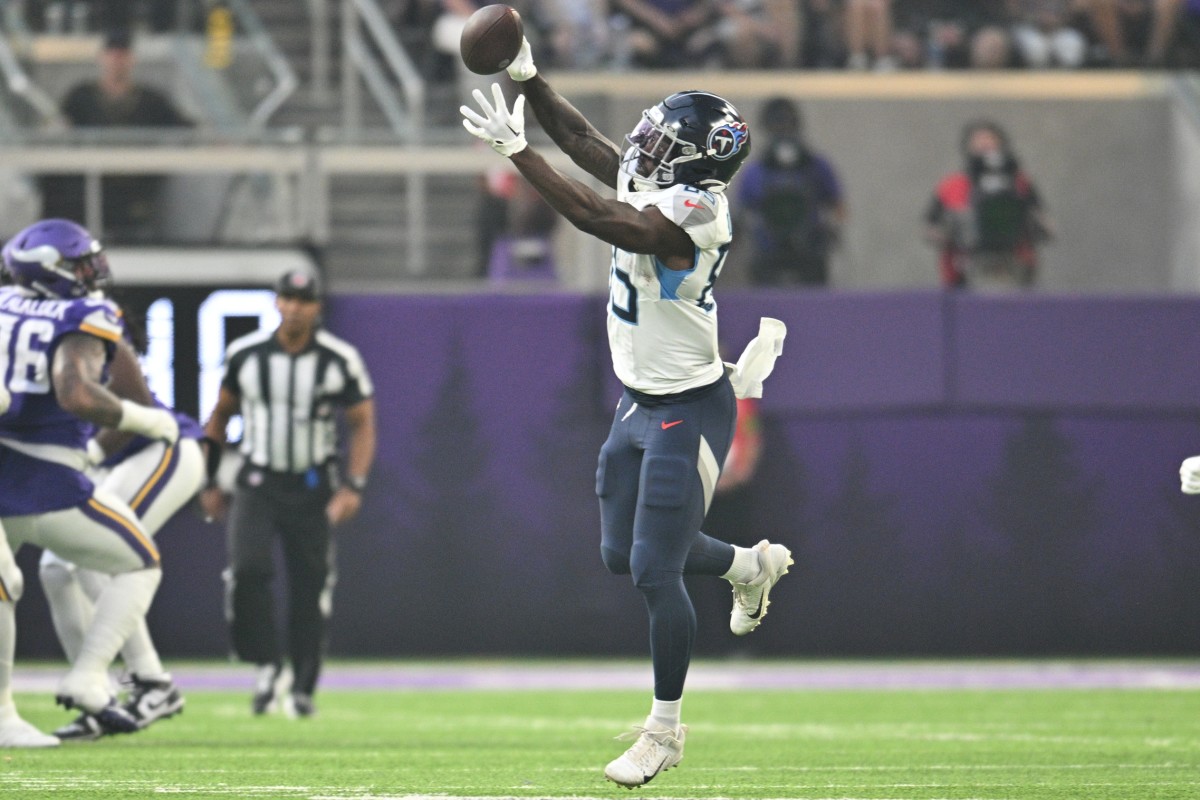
[{"x": 57, "y": 258}]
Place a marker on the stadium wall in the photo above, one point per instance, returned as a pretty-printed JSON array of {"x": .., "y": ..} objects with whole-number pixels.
[{"x": 957, "y": 474}]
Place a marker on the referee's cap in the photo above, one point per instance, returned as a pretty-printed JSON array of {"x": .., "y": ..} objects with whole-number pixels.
[{"x": 300, "y": 284}]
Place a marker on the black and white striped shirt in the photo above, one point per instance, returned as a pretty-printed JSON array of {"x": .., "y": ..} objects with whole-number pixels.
[{"x": 288, "y": 400}]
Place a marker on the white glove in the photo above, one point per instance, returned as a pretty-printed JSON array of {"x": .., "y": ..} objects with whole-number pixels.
[
  {"x": 153, "y": 423},
  {"x": 522, "y": 67},
  {"x": 1189, "y": 475},
  {"x": 504, "y": 131}
]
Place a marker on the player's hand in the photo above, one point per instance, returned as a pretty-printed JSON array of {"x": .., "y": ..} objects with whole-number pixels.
[
  {"x": 343, "y": 506},
  {"x": 503, "y": 130},
  {"x": 1189, "y": 475},
  {"x": 213, "y": 503},
  {"x": 153, "y": 423},
  {"x": 522, "y": 68}
]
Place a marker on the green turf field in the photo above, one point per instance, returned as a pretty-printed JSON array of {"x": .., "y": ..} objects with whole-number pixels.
[{"x": 1101, "y": 744}]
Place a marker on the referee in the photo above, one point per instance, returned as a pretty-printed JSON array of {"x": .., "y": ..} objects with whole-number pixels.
[{"x": 286, "y": 384}]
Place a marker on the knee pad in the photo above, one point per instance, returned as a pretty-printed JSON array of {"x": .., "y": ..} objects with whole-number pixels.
[
  {"x": 667, "y": 481},
  {"x": 616, "y": 561},
  {"x": 603, "y": 487}
]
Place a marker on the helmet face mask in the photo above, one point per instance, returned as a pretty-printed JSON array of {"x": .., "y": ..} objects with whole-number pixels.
[
  {"x": 692, "y": 138},
  {"x": 57, "y": 258}
]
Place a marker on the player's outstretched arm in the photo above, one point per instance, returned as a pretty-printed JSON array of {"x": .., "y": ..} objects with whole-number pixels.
[
  {"x": 612, "y": 221},
  {"x": 587, "y": 147}
]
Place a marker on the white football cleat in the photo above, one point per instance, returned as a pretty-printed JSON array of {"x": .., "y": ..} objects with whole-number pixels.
[
  {"x": 655, "y": 751},
  {"x": 750, "y": 600},
  {"x": 16, "y": 732}
]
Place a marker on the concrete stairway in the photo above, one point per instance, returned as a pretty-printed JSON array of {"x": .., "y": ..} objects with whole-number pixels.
[{"x": 368, "y": 233}]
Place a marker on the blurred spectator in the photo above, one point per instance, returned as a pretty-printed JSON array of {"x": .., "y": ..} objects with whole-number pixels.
[
  {"x": 991, "y": 49},
  {"x": 516, "y": 228},
  {"x": 578, "y": 32},
  {"x": 669, "y": 33},
  {"x": 115, "y": 100},
  {"x": 822, "y": 44},
  {"x": 793, "y": 201},
  {"x": 869, "y": 35},
  {"x": 987, "y": 219},
  {"x": 759, "y": 34},
  {"x": 955, "y": 35},
  {"x": 1044, "y": 36},
  {"x": 1168, "y": 16},
  {"x": 1123, "y": 28}
]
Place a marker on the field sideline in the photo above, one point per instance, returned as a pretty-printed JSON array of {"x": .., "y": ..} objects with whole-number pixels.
[{"x": 465, "y": 729}]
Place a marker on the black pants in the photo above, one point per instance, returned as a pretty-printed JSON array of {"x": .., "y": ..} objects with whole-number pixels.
[{"x": 291, "y": 508}]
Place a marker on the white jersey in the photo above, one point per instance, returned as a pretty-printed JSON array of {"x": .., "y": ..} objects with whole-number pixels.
[{"x": 662, "y": 323}]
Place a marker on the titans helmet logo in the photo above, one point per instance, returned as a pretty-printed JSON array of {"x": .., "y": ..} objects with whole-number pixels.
[{"x": 726, "y": 141}]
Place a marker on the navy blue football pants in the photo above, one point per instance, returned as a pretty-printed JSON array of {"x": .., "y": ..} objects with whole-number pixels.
[{"x": 655, "y": 480}]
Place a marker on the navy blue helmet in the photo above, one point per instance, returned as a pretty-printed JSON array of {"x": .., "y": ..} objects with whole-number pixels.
[{"x": 693, "y": 138}]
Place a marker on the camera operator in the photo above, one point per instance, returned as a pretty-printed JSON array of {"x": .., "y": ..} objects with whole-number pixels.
[
  {"x": 793, "y": 203},
  {"x": 987, "y": 219}
]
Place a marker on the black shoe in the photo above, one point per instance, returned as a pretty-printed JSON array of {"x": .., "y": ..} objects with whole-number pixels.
[
  {"x": 149, "y": 701},
  {"x": 84, "y": 728},
  {"x": 272, "y": 683},
  {"x": 302, "y": 705}
]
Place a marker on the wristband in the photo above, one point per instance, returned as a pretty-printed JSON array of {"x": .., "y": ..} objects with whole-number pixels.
[
  {"x": 212, "y": 458},
  {"x": 356, "y": 483}
]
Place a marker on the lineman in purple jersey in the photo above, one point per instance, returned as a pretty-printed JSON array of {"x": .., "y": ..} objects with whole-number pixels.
[
  {"x": 670, "y": 229},
  {"x": 156, "y": 480},
  {"x": 58, "y": 348}
]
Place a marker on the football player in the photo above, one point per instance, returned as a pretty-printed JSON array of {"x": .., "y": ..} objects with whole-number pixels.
[
  {"x": 58, "y": 345},
  {"x": 670, "y": 230},
  {"x": 156, "y": 480}
]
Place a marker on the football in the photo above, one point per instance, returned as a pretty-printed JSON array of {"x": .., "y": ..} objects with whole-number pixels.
[{"x": 491, "y": 39}]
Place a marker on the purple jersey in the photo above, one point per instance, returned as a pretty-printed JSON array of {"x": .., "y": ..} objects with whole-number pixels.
[{"x": 47, "y": 436}]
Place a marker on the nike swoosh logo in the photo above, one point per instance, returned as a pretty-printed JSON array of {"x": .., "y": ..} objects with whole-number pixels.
[
  {"x": 652, "y": 774},
  {"x": 758, "y": 611},
  {"x": 690, "y": 204},
  {"x": 666, "y": 425}
]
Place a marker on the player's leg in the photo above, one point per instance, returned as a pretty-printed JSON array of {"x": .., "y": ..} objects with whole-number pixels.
[
  {"x": 617, "y": 478},
  {"x": 249, "y": 605},
  {"x": 14, "y": 731},
  {"x": 102, "y": 534},
  {"x": 308, "y": 552},
  {"x": 669, "y": 512},
  {"x": 158, "y": 482},
  {"x": 71, "y": 609},
  {"x": 751, "y": 571}
]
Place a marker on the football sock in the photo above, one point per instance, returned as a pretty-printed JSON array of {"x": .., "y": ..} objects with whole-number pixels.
[
  {"x": 139, "y": 654},
  {"x": 745, "y": 567},
  {"x": 140, "y": 657},
  {"x": 666, "y": 712},
  {"x": 8, "y": 648},
  {"x": 70, "y": 609},
  {"x": 120, "y": 608}
]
